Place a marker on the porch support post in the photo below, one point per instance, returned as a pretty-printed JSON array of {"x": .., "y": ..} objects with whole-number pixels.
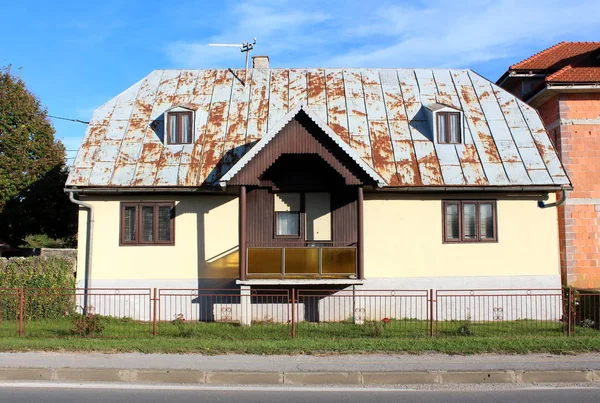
[
  {"x": 245, "y": 305},
  {"x": 242, "y": 235},
  {"x": 360, "y": 258}
]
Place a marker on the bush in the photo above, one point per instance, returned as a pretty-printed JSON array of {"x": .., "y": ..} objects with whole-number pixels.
[
  {"x": 87, "y": 324},
  {"x": 44, "y": 241},
  {"x": 37, "y": 273}
]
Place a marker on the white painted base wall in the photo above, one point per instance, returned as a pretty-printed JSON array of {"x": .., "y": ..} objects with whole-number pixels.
[
  {"x": 507, "y": 298},
  {"x": 410, "y": 283}
]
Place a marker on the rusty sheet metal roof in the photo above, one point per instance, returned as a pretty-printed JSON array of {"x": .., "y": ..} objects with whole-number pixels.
[{"x": 378, "y": 113}]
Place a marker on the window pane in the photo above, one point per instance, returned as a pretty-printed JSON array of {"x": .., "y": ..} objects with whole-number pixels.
[
  {"x": 172, "y": 128},
  {"x": 454, "y": 128},
  {"x": 185, "y": 128},
  {"x": 147, "y": 223},
  {"x": 452, "y": 221},
  {"x": 441, "y": 122},
  {"x": 288, "y": 223},
  {"x": 164, "y": 223},
  {"x": 129, "y": 223},
  {"x": 486, "y": 221},
  {"x": 469, "y": 221}
]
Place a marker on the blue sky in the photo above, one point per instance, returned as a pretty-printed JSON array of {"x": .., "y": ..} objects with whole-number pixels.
[{"x": 76, "y": 55}]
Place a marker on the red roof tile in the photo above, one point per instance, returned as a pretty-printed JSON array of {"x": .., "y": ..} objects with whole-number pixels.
[
  {"x": 572, "y": 74},
  {"x": 558, "y": 56}
]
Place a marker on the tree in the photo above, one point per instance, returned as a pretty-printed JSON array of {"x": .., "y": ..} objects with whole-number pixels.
[{"x": 32, "y": 167}]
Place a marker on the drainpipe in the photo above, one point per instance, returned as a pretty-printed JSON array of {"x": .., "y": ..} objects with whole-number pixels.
[
  {"x": 542, "y": 204},
  {"x": 88, "y": 247}
]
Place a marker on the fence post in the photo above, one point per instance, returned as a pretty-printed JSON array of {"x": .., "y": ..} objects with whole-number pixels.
[
  {"x": 570, "y": 312},
  {"x": 154, "y": 310},
  {"x": 431, "y": 312},
  {"x": 21, "y": 295},
  {"x": 293, "y": 313}
]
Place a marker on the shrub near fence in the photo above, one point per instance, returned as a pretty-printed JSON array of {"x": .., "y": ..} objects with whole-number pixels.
[{"x": 36, "y": 273}]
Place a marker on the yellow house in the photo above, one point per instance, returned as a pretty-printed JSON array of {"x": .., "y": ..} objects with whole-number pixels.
[{"x": 365, "y": 178}]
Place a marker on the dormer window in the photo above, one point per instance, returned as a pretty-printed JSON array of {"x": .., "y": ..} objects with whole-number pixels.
[
  {"x": 179, "y": 127},
  {"x": 448, "y": 127}
]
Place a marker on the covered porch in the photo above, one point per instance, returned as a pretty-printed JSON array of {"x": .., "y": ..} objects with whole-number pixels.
[{"x": 301, "y": 205}]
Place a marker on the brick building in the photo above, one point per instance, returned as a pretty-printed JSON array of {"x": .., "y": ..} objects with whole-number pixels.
[{"x": 563, "y": 83}]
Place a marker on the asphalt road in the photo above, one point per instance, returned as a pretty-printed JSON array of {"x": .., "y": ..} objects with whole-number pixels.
[{"x": 233, "y": 395}]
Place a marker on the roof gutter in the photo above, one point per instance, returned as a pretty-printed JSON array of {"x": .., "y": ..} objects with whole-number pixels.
[
  {"x": 121, "y": 190},
  {"x": 487, "y": 189},
  {"x": 88, "y": 247}
]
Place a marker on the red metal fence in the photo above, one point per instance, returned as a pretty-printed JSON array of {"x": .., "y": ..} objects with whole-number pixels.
[{"x": 306, "y": 313}]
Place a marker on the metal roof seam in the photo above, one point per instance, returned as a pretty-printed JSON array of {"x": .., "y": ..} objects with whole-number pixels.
[
  {"x": 521, "y": 106},
  {"x": 511, "y": 131},
  {"x": 110, "y": 180},
  {"x": 487, "y": 123},
  {"x": 410, "y": 128},
  {"x": 205, "y": 134},
  {"x": 362, "y": 84},
  {"x": 464, "y": 108},
  {"x": 387, "y": 123}
]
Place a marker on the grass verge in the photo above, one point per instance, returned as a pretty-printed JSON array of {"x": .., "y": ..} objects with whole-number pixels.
[{"x": 450, "y": 345}]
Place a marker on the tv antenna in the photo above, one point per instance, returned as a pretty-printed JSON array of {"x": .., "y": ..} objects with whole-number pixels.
[{"x": 245, "y": 47}]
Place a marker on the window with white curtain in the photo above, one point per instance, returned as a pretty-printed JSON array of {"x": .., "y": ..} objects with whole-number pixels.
[
  {"x": 288, "y": 223},
  {"x": 179, "y": 127},
  {"x": 470, "y": 221},
  {"x": 287, "y": 214},
  {"x": 448, "y": 127}
]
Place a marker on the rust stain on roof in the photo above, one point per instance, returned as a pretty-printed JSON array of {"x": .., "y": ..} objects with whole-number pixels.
[
  {"x": 489, "y": 147},
  {"x": 316, "y": 84}
]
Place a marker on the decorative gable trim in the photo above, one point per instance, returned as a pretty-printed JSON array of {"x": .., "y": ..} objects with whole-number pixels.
[{"x": 280, "y": 125}]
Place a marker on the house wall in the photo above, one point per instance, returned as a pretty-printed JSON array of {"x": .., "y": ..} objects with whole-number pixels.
[
  {"x": 206, "y": 245},
  {"x": 573, "y": 119},
  {"x": 404, "y": 248}
]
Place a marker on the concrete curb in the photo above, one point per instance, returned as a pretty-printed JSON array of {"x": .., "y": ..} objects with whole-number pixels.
[{"x": 178, "y": 376}]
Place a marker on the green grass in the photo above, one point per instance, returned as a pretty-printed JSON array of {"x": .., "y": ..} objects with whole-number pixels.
[
  {"x": 454, "y": 345},
  {"x": 408, "y": 336}
]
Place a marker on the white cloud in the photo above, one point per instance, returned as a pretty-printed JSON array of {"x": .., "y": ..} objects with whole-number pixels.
[{"x": 430, "y": 33}]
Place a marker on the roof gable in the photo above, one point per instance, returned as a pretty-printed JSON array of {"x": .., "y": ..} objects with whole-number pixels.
[{"x": 277, "y": 129}]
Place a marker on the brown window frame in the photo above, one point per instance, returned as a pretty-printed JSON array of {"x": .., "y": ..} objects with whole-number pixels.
[
  {"x": 138, "y": 220},
  {"x": 447, "y": 131},
  {"x": 178, "y": 116},
  {"x": 461, "y": 238}
]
